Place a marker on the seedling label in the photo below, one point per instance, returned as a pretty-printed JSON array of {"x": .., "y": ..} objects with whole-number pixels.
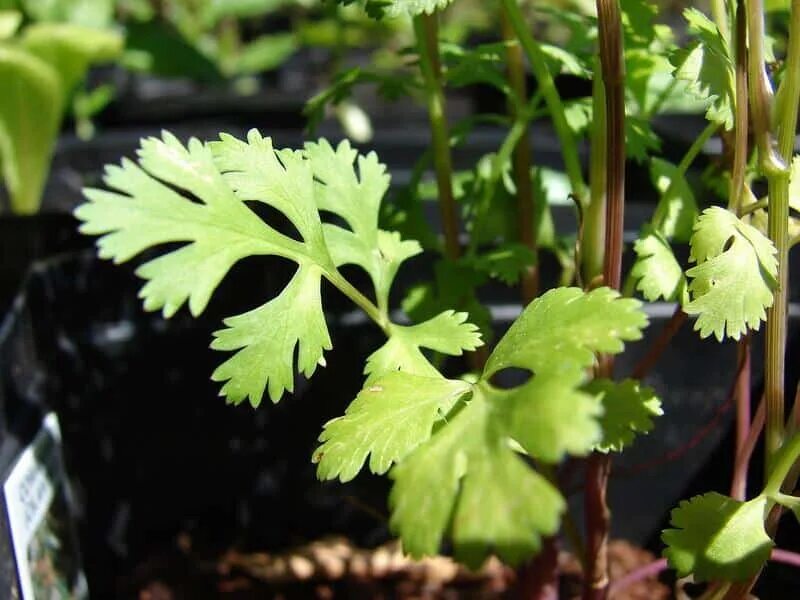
[{"x": 42, "y": 535}]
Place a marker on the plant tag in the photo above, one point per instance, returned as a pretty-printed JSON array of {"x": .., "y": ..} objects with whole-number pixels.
[{"x": 42, "y": 534}]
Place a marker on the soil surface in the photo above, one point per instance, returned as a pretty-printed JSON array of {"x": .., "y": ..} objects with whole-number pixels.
[{"x": 335, "y": 568}]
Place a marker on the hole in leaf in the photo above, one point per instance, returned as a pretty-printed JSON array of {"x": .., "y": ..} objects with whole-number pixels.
[
  {"x": 728, "y": 244},
  {"x": 510, "y": 378}
]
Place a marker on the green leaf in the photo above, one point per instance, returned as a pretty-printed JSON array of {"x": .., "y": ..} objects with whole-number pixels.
[
  {"x": 388, "y": 419},
  {"x": 707, "y": 66},
  {"x": 89, "y": 13},
  {"x": 657, "y": 271},
  {"x": 483, "y": 64},
  {"x": 149, "y": 207},
  {"x": 158, "y": 48},
  {"x": 71, "y": 49},
  {"x": 564, "y": 328},
  {"x": 628, "y": 410},
  {"x": 734, "y": 279},
  {"x": 265, "y": 53},
  {"x": 397, "y": 8},
  {"x": 506, "y": 262},
  {"x": 30, "y": 114},
  {"x": 215, "y": 10},
  {"x": 466, "y": 479},
  {"x": 550, "y": 416},
  {"x": 718, "y": 538},
  {"x": 448, "y": 333},
  {"x": 267, "y": 336},
  {"x": 143, "y": 212},
  {"x": 10, "y": 20},
  {"x": 677, "y": 210}
]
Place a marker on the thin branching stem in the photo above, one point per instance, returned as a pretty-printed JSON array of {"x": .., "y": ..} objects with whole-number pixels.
[{"x": 426, "y": 29}]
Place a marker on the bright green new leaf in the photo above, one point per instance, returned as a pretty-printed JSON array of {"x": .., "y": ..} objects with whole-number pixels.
[
  {"x": 30, "y": 113},
  {"x": 718, "y": 538},
  {"x": 564, "y": 328},
  {"x": 388, "y": 419},
  {"x": 89, "y": 13},
  {"x": 145, "y": 210},
  {"x": 550, "y": 416},
  {"x": 266, "y": 338},
  {"x": 467, "y": 480},
  {"x": 707, "y": 65},
  {"x": 10, "y": 20},
  {"x": 657, "y": 271},
  {"x": 448, "y": 333},
  {"x": 265, "y": 53},
  {"x": 71, "y": 49},
  {"x": 733, "y": 282},
  {"x": 397, "y": 8},
  {"x": 677, "y": 209},
  {"x": 628, "y": 410}
]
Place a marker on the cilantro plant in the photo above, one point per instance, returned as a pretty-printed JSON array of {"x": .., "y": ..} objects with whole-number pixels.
[{"x": 475, "y": 465}]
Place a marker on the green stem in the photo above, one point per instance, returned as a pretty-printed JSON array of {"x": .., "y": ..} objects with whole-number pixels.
[
  {"x": 526, "y": 203},
  {"x": 359, "y": 299},
  {"x": 782, "y": 466},
  {"x": 592, "y": 247},
  {"x": 741, "y": 116},
  {"x": 547, "y": 87},
  {"x": 426, "y": 28},
  {"x": 719, "y": 12},
  {"x": 662, "y": 210},
  {"x": 778, "y": 225}
]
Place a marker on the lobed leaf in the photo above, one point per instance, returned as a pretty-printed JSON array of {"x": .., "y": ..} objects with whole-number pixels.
[
  {"x": 657, "y": 271},
  {"x": 448, "y": 333},
  {"x": 467, "y": 480},
  {"x": 718, "y": 538},
  {"x": 564, "y": 328},
  {"x": 707, "y": 66},
  {"x": 388, "y": 419},
  {"x": 734, "y": 279},
  {"x": 628, "y": 409},
  {"x": 266, "y": 338}
]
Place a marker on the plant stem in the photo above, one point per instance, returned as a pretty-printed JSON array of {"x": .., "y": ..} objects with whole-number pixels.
[
  {"x": 740, "y": 154},
  {"x": 782, "y": 466},
  {"x": 426, "y": 28},
  {"x": 778, "y": 225},
  {"x": 743, "y": 421},
  {"x": 526, "y": 208},
  {"x": 661, "y": 343},
  {"x": 536, "y": 58},
  {"x": 598, "y": 469},
  {"x": 373, "y": 312},
  {"x": 742, "y": 463},
  {"x": 592, "y": 243},
  {"x": 662, "y": 210}
]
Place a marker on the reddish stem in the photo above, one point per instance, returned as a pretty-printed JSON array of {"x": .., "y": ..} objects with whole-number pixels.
[
  {"x": 745, "y": 453},
  {"x": 539, "y": 577},
  {"x": 661, "y": 343}
]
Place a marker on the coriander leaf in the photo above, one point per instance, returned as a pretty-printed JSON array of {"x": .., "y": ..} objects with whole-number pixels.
[
  {"x": 448, "y": 333},
  {"x": 266, "y": 338},
  {"x": 396, "y": 8},
  {"x": 356, "y": 198},
  {"x": 143, "y": 212},
  {"x": 628, "y": 409},
  {"x": 564, "y": 328},
  {"x": 388, "y": 419},
  {"x": 550, "y": 416},
  {"x": 281, "y": 178},
  {"x": 481, "y": 64},
  {"x": 734, "y": 279},
  {"x": 467, "y": 479},
  {"x": 505, "y": 263},
  {"x": 718, "y": 538},
  {"x": 677, "y": 209},
  {"x": 707, "y": 65},
  {"x": 657, "y": 271}
]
